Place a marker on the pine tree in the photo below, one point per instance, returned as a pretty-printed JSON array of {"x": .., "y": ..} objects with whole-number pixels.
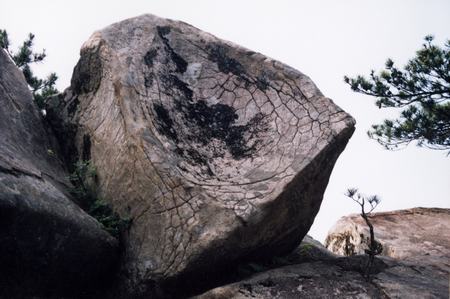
[
  {"x": 42, "y": 89},
  {"x": 421, "y": 90},
  {"x": 374, "y": 247}
]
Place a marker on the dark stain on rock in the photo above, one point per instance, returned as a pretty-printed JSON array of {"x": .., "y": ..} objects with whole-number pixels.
[
  {"x": 218, "y": 122},
  {"x": 72, "y": 107},
  {"x": 208, "y": 123},
  {"x": 216, "y": 119},
  {"x": 195, "y": 156},
  {"x": 163, "y": 30},
  {"x": 148, "y": 79},
  {"x": 194, "y": 124},
  {"x": 174, "y": 86},
  {"x": 226, "y": 64},
  {"x": 87, "y": 74},
  {"x": 205, "y": 123},
  {"x": 166, "y": 125},
  {"x": 262, "y": 83},
  {"x": 149, "y": 56},
  {"x": 180, "y": 63}
]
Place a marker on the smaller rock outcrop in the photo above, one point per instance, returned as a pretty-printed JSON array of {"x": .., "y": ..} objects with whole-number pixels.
[
  {"x": 48, "y": 245},
  {"x": 419, "y": 235}
]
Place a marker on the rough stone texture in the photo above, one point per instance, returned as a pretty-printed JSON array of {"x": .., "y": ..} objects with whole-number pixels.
[
  {"x": 48, "y": 245},
  {"x": 215, "y": 152},
  {"x": 309, "y": 250},
  {"x": 418, "y": 235},
  {"x": 331, "y": 276},
  {"x": 308, "y": 280}
]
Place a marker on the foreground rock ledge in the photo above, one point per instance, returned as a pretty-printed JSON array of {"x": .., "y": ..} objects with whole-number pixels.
[
  {"x": 215, "y": 152},
  {"x": 312, "y": 271}
]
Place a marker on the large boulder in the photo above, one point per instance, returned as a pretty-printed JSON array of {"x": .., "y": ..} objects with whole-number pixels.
[
  {"x": 48, "y": 245},
  {"x": 215, "y": 152}
]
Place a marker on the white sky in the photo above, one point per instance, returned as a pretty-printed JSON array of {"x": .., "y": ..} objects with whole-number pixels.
[{"x": 323, "y": 39}]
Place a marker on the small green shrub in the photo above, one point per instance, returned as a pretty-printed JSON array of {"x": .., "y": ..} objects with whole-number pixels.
[
  {"x": 110, "y": 220},
  {"x": 83, "y": 178},
  {"x": 306, "y": 248}
]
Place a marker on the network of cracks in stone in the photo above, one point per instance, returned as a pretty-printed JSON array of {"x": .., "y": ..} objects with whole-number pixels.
[{"x": 222, "y": 122}]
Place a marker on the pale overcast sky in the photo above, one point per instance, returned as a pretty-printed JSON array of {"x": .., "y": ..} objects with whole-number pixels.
[{"x": 323, "y": 39}]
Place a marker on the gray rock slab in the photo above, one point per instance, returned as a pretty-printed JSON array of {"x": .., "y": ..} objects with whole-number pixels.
[
  {"x": 48, "y": 245},
  {"x": 331, "y": 276}
]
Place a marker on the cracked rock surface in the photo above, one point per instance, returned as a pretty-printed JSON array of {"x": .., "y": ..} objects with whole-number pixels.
[
  {"x": 215, "y": 152},
  {"x": 48, "y": 245}
]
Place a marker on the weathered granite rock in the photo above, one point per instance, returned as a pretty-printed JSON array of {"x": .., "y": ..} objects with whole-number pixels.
[
  {"x": 48, "y": 245},
  {"x": 419, "y": 235},
  {"x": 331, "y": 276},
  {"x": 309, "y": 250},
  {"x": 336, "y": 279},
  {"x": 215, "y": 152},
  {"x": 307, "y": 280}
]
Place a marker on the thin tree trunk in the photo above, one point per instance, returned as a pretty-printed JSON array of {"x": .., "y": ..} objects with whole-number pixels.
[{"x": 372, "y": 246}]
